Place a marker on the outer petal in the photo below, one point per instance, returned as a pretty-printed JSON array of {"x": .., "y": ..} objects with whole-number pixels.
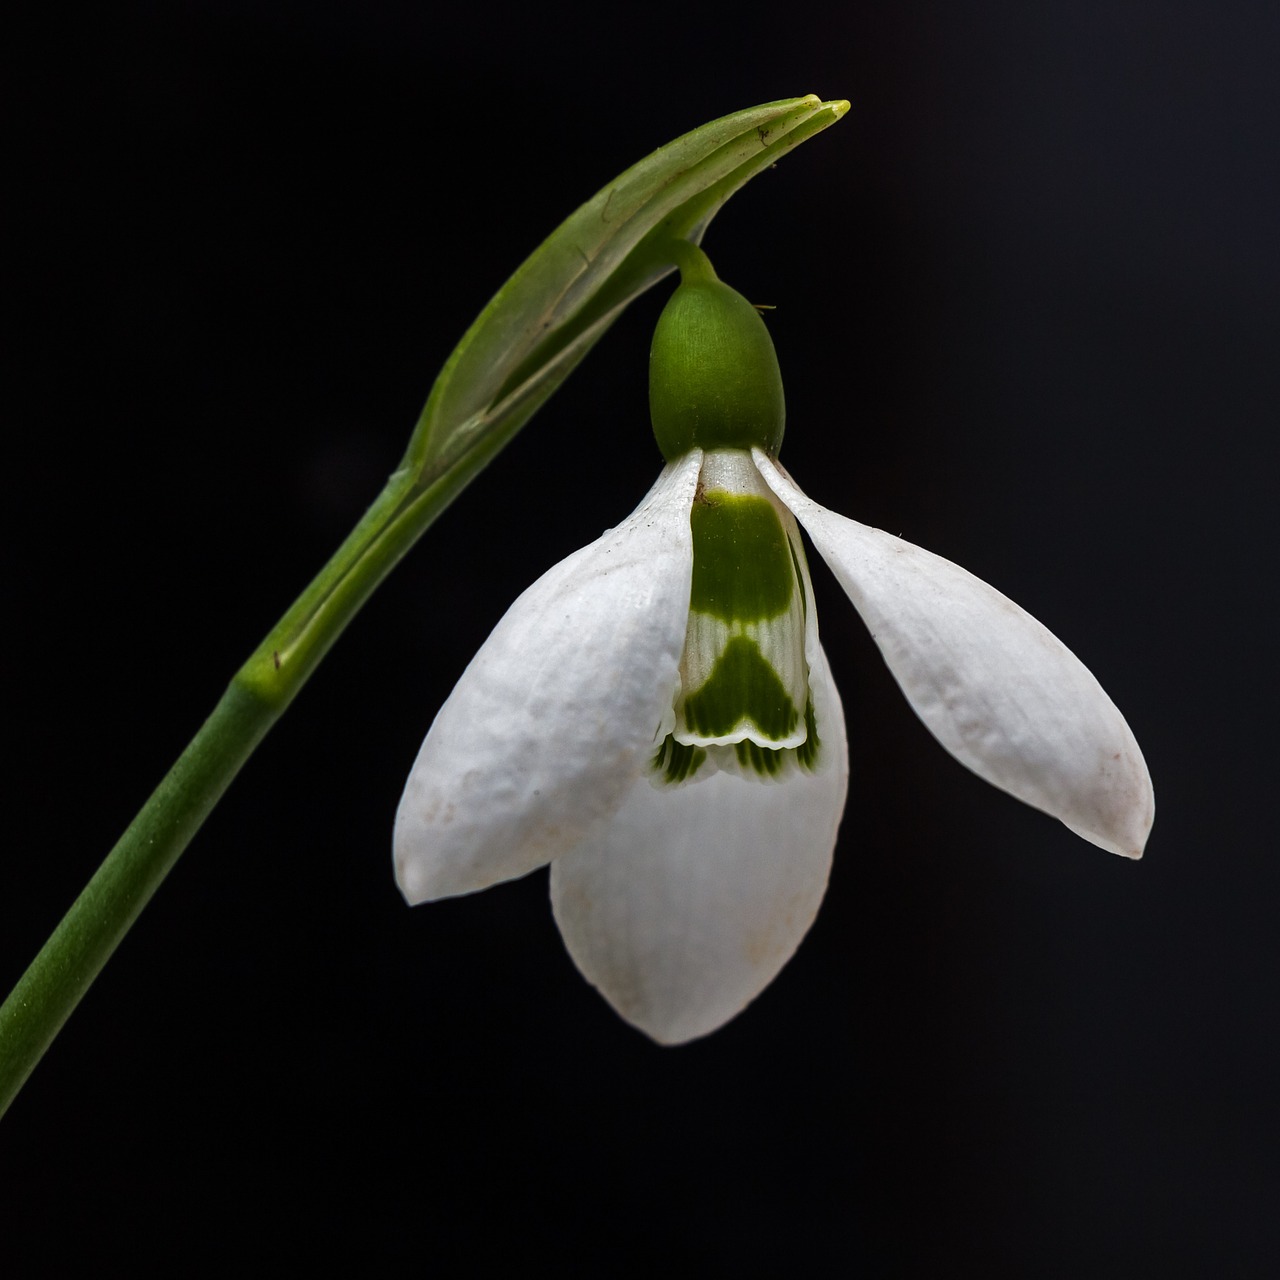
[
  {"x": 996, "y": 688},
  {"x": 559, "y": 711},
  {"x": 683, "y": 909}
]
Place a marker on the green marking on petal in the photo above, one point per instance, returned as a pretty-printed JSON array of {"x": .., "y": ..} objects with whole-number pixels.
[
  {"x": 677, "y": 761},
  {"x": 765, "y": 761},
  {"x": 769, "y": 762},
  {"x": 742, "y": 686},
  {"x": 807, "y": 751},
  {"x": 743, "y": 566}
]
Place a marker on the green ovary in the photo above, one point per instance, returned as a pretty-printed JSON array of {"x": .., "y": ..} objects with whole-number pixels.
[{"x": 742, "y": 686}]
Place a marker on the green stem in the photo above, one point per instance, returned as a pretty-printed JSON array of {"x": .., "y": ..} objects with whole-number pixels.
[
  {"x": 66, "y": 966},
  {"x": 694, "y": 264},
  {"x": 258, "y": 695}
]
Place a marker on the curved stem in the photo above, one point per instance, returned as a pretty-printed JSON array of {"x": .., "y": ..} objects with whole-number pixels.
[
  {"x": 99, "y": 918},
  {"x": 694, "y": 264},
  {"x": 258, "y": 695}
]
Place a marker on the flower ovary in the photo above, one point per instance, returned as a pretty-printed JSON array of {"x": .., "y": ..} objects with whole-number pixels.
[{"x": 714, "y": 381}]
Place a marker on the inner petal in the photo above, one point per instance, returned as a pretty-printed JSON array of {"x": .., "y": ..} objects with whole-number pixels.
[{"x": 744, "y": 677}]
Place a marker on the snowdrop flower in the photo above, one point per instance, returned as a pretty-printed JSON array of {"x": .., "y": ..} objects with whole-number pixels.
[{"x": 656, "y": 718}]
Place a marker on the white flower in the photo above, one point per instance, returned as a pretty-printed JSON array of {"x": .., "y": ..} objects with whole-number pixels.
[
  {"x": 656, "y": 719},
  {"x": 666, "y": 734}
]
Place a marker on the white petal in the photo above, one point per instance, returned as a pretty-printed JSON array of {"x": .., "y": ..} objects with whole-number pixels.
[
  {"x": 559, "y": 711},
  {"x": 996, "y": 688},
  {"x": 683, "y": 909}
]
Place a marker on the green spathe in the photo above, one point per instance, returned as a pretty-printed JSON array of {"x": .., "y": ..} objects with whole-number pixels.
[{"x": 713, "y": 373}]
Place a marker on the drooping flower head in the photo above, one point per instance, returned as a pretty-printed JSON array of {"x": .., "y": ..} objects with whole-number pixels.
[{"x": 656, "y": 718}]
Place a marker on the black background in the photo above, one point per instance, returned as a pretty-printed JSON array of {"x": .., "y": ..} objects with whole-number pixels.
[{"x": 1026, "y": 305}]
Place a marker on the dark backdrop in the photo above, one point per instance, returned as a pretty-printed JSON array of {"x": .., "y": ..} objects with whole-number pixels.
[{"x": 1026, "y": 305}]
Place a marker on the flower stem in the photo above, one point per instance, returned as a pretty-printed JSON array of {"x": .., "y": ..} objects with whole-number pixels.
[
  {"x": 83, "y": 942},
  {"x": 257, "y": 696},
  {"x": 693, "y": 262}
]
